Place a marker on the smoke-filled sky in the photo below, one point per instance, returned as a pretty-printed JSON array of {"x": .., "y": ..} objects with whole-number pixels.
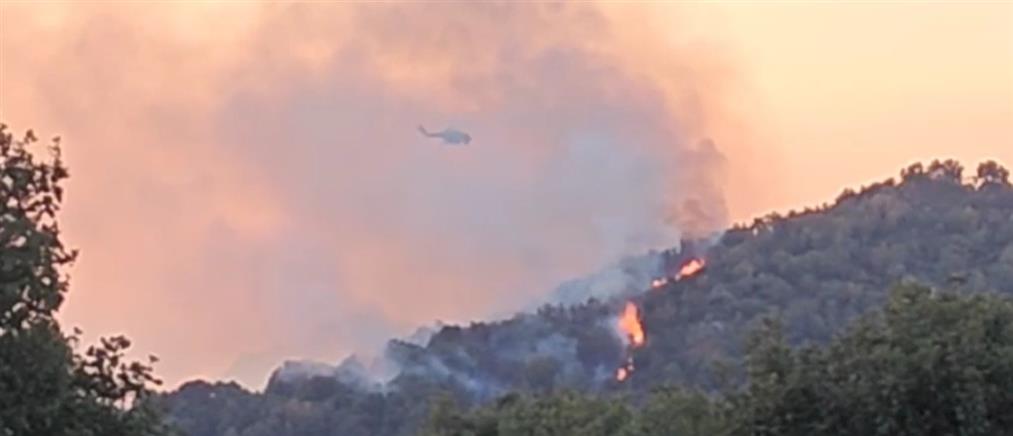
[{"x": 248, "y": 184}]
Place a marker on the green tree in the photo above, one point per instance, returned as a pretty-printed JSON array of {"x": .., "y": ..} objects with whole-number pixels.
[
  {"x": 912, "y": 172},
  {"x": 991, "y": 173},
  {"x": 562, "y": 414},
  {"x": 927, "y": 364},
  {"x": 947, "y": 170},
  {"x": 48, "y": 387},
  {"x": 677, "y": 412},
  {"x": 818, "y": 270}
]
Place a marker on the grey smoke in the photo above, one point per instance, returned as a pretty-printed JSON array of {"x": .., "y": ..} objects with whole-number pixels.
[
  {"x": 628, "y": 276},
  {"x": 585, "y": 157}
]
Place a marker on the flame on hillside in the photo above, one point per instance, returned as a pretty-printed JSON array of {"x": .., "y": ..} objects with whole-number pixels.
[
  {"x": 633, "y": 331},
  {"x": 691, "y": 268},
  {"x": 629, "y": 324},
  {"x": 623, "y": 372},
  {"x": 629, "y": 321}
]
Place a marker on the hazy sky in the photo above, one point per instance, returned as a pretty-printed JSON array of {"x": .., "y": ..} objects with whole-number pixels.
[{"x": 248, "y": 184}]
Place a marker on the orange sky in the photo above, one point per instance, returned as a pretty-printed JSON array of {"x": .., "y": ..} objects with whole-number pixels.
[
  {"x": 849, "y": 93},
  {"x": 247, "y": 184}
]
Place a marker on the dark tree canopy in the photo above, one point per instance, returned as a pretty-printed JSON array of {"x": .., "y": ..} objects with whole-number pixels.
[
  {"x": 926, "y": 364},
  {"x": 947, "y": 170},
  {"x": 991, "y": 173},
  {"x": 31, "y": 254},
  {"x": 816, "y": 270},
  {"x": 923, "y": 365},
  {"x": 46, "y": 386}
]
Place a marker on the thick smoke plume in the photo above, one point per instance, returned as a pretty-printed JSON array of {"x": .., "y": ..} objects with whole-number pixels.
[{"x": 259, "y": 178}]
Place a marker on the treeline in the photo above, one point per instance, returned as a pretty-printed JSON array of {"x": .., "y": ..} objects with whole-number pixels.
[
  {"x": 926, "y": 364},
  {"x": 818, "y": 269},
  {"x": 815, "y": 270}
]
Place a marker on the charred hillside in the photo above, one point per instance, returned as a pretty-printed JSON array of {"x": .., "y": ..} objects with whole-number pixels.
[{"x": 816, "y": 270}]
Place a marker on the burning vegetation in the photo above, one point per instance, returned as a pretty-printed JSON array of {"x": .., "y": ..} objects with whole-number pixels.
[
  {"x": 691, "y": 268},
  {"x": 485, "y": 361},
  {"x": 633, "y": 330},
  {"x": 623, "y": 372},
  {"x": 629, "y": 322},
  {"x": 688, "y": 269}
]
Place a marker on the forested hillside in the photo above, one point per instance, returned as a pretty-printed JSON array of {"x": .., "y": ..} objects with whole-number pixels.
[
  {"x": 816, "y": 270},
  {"x": 928, "y": 363}
]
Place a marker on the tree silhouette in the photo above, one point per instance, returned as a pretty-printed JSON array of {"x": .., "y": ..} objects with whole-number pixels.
[
  {"x": 46, "y": 386},
  {"x": 991, "y": 173}
]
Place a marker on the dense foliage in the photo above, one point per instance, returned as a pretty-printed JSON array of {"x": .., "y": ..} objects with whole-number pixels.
[
  {"x": 47, "y": 387},
  {"x": 924, "y": 365},
  {"x": 817, "y": 271}
]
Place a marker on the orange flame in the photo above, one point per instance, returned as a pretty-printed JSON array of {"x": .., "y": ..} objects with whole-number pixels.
[
  {"x": 691, "y": 268},
  {"x": 629, "y": 323},
  {"x": 621, "y": 373},
  {"x": 624, "y": 372},
  {"x": 659, "y": 282}
]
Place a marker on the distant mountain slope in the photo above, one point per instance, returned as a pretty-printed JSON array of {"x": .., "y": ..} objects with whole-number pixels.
[{"x": 816, "y": 269}]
